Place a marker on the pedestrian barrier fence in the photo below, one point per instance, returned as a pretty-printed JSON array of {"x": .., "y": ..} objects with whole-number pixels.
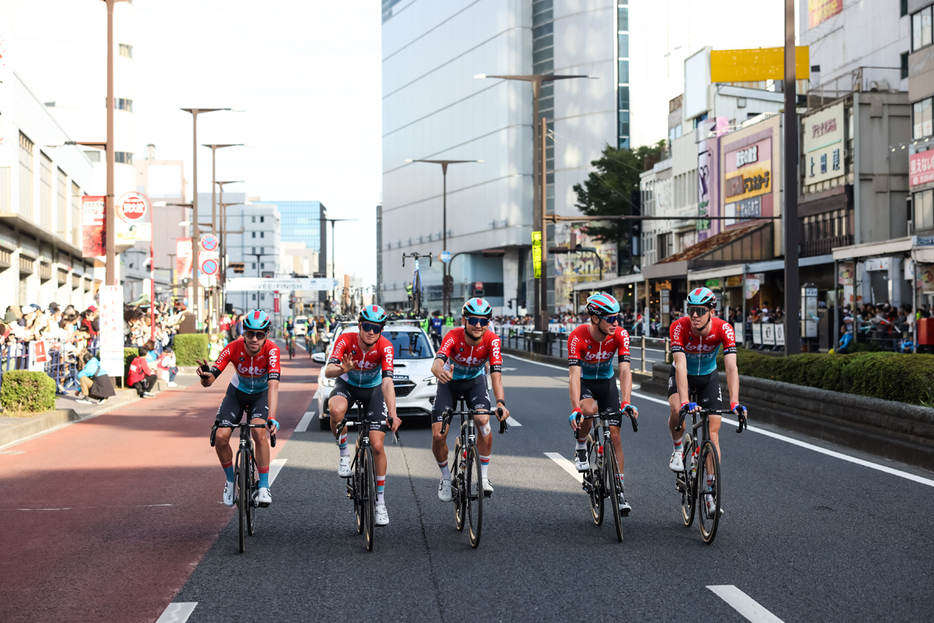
[{"x": 58, "y": 359}]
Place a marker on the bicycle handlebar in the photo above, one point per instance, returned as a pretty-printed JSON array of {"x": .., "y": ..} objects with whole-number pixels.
[
  {"x": 449, "y": 414},
  {"x": 608, "y": 414},
  {"x": 217, "y": 424},
  {"x": 683, "y": 413}
]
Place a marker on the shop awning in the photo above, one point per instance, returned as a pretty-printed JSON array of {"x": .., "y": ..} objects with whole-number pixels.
[
  {"x": 607, "y": 283},
  {"x": 872, "y": 249},
  {"x": 754, "y": 267},
  {"x": 751, "y": 243}
]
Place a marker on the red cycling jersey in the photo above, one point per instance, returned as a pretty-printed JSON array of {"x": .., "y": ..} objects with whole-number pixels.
[
  {"x": 366, "y": 365},
  {"x": 466, "y": 360},
  {"x": 253, "y": 372},
  {"x": 701, "y": 350},
  {"x": 596, "y": 358}
]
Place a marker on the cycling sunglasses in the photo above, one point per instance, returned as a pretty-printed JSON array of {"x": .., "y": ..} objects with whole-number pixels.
[
  {"x": 612, "y": 319},
  {"x": 478, "y": 321},
  {"x": 698, "y": 311},
  {"x": 254, "y": 335},
  {"x": 370, "y": 327}
]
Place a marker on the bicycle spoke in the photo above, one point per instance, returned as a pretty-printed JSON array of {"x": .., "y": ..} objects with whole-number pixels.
[{"x": 708, "y": 491}]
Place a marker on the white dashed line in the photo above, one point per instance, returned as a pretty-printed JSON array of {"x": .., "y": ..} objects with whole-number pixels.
[
  {"x": 274, "y": 468},
  {"x": 178, "y": 612},
  {"x": 566, "y": 465},
  {"x": 304, "y": 422},
  {"x": 744, "y": 604},
  {"x": 512, "y": 422}
]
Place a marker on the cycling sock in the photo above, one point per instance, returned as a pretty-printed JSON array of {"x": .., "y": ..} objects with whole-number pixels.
[
  {"x": 581, "y": 445},
  {"x": 621, "y": 480},
  {"x": 380, "y": 490},
  {"x": 678, "y": 447},
  {"x": 445, "y": 471},
  {"x": 263, "y": 477},
  {"x": 345, "y": 451},
  {"x": 484, "y": 465},
  {"x": 228, "y": 470}
]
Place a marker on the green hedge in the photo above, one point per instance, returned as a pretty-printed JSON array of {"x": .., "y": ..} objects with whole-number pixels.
[
  {"x": 885, "y": 375},
  {"x": 33, "y": 392},
  {"x": 190, "y": 346}
]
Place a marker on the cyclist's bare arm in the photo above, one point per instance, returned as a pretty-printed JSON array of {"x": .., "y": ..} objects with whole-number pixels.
[
  {"x": 273, "y": 399},
  {"x": 389, "y": 395},
  {"x": 625, "y": 381},
  {"x": 333, "y": 370},
  {"x": 732, "y": 376},
  {"x": 681, "y": 376},
  {"x": 574, "y": 383},
  {"x": 499, "y": 393}
]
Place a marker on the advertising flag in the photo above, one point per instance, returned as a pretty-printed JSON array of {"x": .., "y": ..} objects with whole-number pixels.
[
  {"x": 93, "y": 225},
  {"x": 183, "y": 258}
]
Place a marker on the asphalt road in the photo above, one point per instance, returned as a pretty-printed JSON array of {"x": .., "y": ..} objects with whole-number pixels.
[{"x": 807, "y": 535}]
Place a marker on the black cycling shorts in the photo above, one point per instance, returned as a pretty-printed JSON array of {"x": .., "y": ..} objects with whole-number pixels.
[
  {"x": 235, "y": 402},
  {"x": 473, "y": 390},
  {"x": 706, "y": 386},
  {"x": 606, "y": 393},
  {"x": 374, "y": 407}
]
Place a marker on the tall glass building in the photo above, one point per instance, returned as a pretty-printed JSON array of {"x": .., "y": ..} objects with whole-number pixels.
[{"x": 303, "y": 221}]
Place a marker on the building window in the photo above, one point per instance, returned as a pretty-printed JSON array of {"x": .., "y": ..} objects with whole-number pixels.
[
  {"x": 123, "y": 103},
  {"x": 921, "y": 119},
  {"x": 262, "y": 219},
  {"x": 921, "y": 29},
  {"x": 25, "y": 176},
  {"x": 623, "y": 40},
  {"x": 75, "y": 215},
  {"x": 254, "y": 220},
  {"x": 902, "y": 8},
  {"x": 45, "y": 191},
  {"x": 254, "y": 297},
  {"x": 924, "y": 210},
  {"x": 262, "y": 234},
  {"x": 123, "y": 157},
  {"x": 125, "y": 49},
  {"x": 254, "y": 234},
  {"x": 904, "y": 73},
  {"x": 62, "y": 202},
  {"x": 94, "y": 155},
  {"x": 253, "y": 265}
]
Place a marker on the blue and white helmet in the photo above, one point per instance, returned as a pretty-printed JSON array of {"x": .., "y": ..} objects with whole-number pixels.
[
  {"x": 257, "y": 320},
  {"x": 373, "y": 313},
  {"x": 477, "y": 307},
  {"x": 602, "y": 305},
  {"x": 702, "y": 297}
]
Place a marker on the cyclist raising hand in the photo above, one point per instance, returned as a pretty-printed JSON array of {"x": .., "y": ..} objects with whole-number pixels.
[{"x": 591, "y": 348}]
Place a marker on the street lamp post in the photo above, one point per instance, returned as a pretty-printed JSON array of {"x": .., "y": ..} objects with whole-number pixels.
[
  {"x": 219, "y": 231},
  {"x": 223, "y": 238},
  {"x": 333, "y": 265},
  {"x": 446, "y": 297},
  {"x": 110, "y": 275},
  {"x": 539, "y": 209},
  {"x": 195, "y": 267}
]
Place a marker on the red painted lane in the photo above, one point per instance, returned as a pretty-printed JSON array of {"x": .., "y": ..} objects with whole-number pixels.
[{"x": 105, "y": 520}]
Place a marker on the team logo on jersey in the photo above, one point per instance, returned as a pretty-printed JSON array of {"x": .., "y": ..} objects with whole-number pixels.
[
  {"x": 729, "y": 331},
  {"x": 470, "y": 361},
  {"x": 599, "y": 356},
  {"x": 366, "y": 365},
  {"x": 251, "y": 370},
  {"x": 496, "y": 349}
]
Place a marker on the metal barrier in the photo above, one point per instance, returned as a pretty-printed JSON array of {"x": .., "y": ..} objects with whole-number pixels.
[{"x": 62, "y": 364}]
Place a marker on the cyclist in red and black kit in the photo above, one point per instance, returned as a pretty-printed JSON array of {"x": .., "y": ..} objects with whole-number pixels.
[
  {"x": 695, "y": 340},
  {"x": 254, "y": 388},
  {"x": 362, "y": 364},
  {"x": 591, "y": 348},
  {"x": 459, "y": 366}
]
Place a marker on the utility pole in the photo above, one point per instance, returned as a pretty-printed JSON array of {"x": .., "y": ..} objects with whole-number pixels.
[{"x": 792, "y": 278}]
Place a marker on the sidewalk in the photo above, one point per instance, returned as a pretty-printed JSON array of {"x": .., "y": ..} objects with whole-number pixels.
[{"x": 68, "y": 410}]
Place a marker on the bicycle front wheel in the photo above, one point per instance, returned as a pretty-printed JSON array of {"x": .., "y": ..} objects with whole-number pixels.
[
  {"x": 368, "y": 486},
  {"x": 458, "y": 491},
  {"x": 614, "y": 486},
  {"x": 708, "y": 491},
  {"x": 474, "y": 496},
  {"x": 243, "y": 495},
  {"x": 417, "y": 292},
  {"x": 253, "y": 489},
  {"x": 594, "y": 480},
  {"x": 687, "y": 484},
  {"x": 353, "y": 488}
]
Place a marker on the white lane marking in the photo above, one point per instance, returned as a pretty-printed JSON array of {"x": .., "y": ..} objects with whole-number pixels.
[
  {"x": 274, "y": 468},
  {"x": 651, "y": 399},
  {"x": 512, "y": 422},
  {"x": 566, "y": 465},
  {"x": 304, "y": 422},
  {"x": 538, "y": 363},
  {"x": 177, "y": 612},
  {"x": 85, "y": 508},
  {"x": 744, "y": 604}
]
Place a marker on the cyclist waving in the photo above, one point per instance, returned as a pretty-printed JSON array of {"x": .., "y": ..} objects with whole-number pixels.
[
  {"x": 254, "y": 388},
  {"x": 459, "y": 366},
  {"x": 362, "y": 363},
  {"x": 591, "y": 348},
  {"x": 695, "y": 339}
]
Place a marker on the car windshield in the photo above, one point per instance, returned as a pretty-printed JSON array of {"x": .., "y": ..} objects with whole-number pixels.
[
  {"x": 301, "y": 321},
  {"x": 409, "y": 344}
]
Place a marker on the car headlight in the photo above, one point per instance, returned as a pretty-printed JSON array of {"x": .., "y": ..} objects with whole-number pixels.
[
  {"x": 328, "y": 382},
  {"x": 431, "y": 380}
]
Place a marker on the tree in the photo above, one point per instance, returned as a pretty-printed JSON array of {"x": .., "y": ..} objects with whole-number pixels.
[{"x": 611, "y": 189}]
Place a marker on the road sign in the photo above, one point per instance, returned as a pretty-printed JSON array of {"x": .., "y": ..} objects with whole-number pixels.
[
  {"x": 445, "y": 256},
  {"x": 133, "y": 207},
  {"x": 478, "y": 285},
  {"x": 209, "y": 266},
  {"x": 258, "y": 284},
  {"x": 209, "y": 242}
]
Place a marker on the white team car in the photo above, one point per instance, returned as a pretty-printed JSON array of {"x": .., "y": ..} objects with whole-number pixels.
[
  {"x": 301, "y": 325},
  {"x": 415, "y": 385}
]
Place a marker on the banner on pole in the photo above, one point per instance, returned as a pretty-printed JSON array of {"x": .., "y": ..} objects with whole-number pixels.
[
  {"x": 93, "y": 225},
  {"x": 183, "y": 258},
  {"x": 111, "y": 330}
]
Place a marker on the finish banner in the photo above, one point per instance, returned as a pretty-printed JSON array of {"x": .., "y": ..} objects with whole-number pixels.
[
  {"x": 183, "y": 258},
  {"x": 93, "y": 227}
]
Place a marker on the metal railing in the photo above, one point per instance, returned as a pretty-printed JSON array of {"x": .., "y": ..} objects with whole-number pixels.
[{"x": 61, "y": 366}]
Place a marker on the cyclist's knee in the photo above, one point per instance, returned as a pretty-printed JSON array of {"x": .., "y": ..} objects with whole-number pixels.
[
  {"x": 589, "y": 409},
  {"x": 437, "y": 437},
  {"x": 377, "y": 445},
  {"x": 222, "y": 436}
]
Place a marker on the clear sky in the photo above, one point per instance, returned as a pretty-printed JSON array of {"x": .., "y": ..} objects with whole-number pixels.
[{"x": 306, "y": 75}]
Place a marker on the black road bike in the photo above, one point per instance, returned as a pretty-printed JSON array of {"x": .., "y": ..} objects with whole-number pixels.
[
  {"x": 701, "y": 460},
  {"x": 247, "y": 477},
  {"x": 361, "y": 484},
  {"x": 601, "y": 481},
  {"x": 290, "y": 343},
  {"x": 416, "y": 281},
  {"x": 466, "y": 481}
]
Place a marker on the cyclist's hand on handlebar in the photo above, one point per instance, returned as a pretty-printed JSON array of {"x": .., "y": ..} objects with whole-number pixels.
[
  {"x": 630, "y": 410},
  {"x": 689, "y": 407},
  {"x": 394, "y": 422},
  {"x": 575, "y": 418},
  {"x": 502, "y": 413},
  {"x": 272, "y": 425}
]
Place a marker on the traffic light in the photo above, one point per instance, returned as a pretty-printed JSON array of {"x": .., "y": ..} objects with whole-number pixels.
[
  {"x": 448, "y": 286},
  {"x": 510, "y": 304},
  {"x": 477, "y": 293},
  {"x": 237, "y": 267}
]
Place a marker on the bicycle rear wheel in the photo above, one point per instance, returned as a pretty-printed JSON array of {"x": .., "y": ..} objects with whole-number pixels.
[
  {"x": 708, "y": 518},
  {"x": 687, "y": 484},
  {"x": 242, "y": 497},
  {"x": 458, "y": 491},
  {"x": 612, "y": 484},
  {"x": 417, "y": 292},
  {"x": 368, "y": 486},
  {"x": 253, "y": 488},
  {"x": 594, "y": 481},
  {"x": 474, "y": 489}
]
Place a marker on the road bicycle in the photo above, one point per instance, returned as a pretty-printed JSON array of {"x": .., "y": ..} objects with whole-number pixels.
[
  {"x": 290, "y": 345},
  {"x": 247, "y": 477},
  {"x": 701, "y": 461},
  {"x": 601, "y": 481},
  {"x": 361, "y": 484},
  {"x": 466, "y": 481},
  {"x": 417, "y": 281}
]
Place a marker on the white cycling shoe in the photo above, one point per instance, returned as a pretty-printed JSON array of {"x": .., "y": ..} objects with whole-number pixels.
[
  {"x": 229, "y": 493},
  {"x": 343, "y": 467},
  {"x": 677, "y": 461},
  {"x": 487, "y": 488},
  {"x": 444, "y": 490},
  {"x": 382, "y": 515},
  {"x": 263, "y": 497},
  {"x": 581, "y": 462},
  {"x": 710, "y": 505}
]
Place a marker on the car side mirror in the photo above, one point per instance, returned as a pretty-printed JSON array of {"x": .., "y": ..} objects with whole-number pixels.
[{"x": 318, "y": 357}]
